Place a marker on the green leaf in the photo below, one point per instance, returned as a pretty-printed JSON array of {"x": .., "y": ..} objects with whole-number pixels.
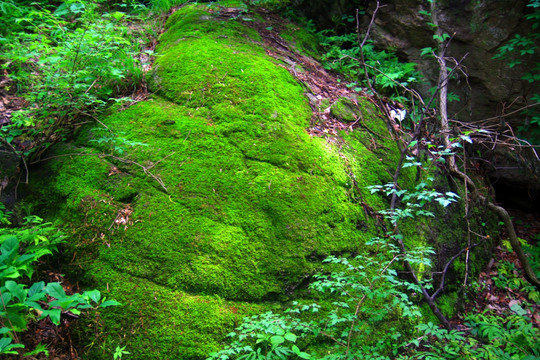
[
  {"x": 64, "y": 303},
  {"x": 109, "y": 303},
  {"x": 77, "y": 8},
  {"x": 17, "y": 290},
  {"x": 55, "y": 290},
  {"x": 93, "y": 295},
  {"x": 426, "y": 51},
  {"x": 40, "y": 348},
  {"x": 36, "y": 291},
  {"x": 75, "y": 311},
  {"x": 50, "y": 60},
  {"x": 118, "y": 15},
  {"x": 276, "y": 340},
  {"x": 6, "y": 346},
  {"x": 53, "y": 314},
  {"x": 290, "y": 337},
  {"x": 9, "y": 249},
  {"x": 5, "y": 298},
  {"x": 15, "y": 319}
]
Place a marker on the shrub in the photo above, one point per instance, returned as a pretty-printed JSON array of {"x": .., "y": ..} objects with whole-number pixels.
[
  {"x": 67, "y": 64},
  {"x": 23, "y": 301}
]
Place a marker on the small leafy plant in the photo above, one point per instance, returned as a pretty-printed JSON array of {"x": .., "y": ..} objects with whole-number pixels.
[
  {"x": 515, "y": 51},
  {"x": 116, "y": 143},
  {"x": 67, "y": 62},
  {"x": 388, "y": 73},
  {"x": 119, "y": 352},
  {"x": 23, "y": 301},
  {"x": 364, "y": 297},
  {"x": 487, "y": 336}
]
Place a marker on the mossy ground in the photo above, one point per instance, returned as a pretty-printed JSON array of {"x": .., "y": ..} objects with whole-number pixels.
[{"x": 252, "y": 202}]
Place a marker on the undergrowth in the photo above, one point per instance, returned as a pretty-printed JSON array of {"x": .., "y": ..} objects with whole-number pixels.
[
  {"x": 68, "y": 62},
  {"x": 386, "y": 71},
  {"x": 374, "y": 313},
  {"x": 24, "y": 300}
]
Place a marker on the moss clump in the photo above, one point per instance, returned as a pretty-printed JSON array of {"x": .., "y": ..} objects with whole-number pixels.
[
  {"x": 345, "y": 110},
  {"x": 303, "y": 40},
  {"x": 325, "y": 104},
  {"x": 230, "y": 204}
]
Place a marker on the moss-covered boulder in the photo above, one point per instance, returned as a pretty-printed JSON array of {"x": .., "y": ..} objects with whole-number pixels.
[
  {"x": 346, "y": 110},
  {"x": 210, "y": 200}
]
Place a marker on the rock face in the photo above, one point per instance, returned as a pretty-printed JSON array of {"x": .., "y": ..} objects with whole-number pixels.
[
  {"x": 487, "y": 88},
  {"x": 10, "y": 163},
  {"x": 213, "y": 201},
  {"x": 478, "y": 28}
]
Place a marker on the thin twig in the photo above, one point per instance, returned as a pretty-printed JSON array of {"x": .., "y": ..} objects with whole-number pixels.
[
  {"x": 127, "y": 161},
  {"x": 510, "y": 113},
  {"x": 447, "y": 266}
]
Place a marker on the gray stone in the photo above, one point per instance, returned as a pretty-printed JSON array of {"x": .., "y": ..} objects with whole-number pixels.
[{"x": 9, "y": 174}]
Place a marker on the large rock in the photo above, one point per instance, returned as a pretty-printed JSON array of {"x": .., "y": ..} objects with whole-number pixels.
[
  {"x": 490, "y": 87},
  {"x": 478, "y": 28},
  {"x": 220, "y": 203},
  {"x": 252, "y": 201}
]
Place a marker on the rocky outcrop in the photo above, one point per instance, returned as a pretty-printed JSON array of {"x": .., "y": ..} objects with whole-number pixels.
[
  {"x": 220, "y": 201},
  {"x": 487, "y": 88},
  {"x": 478, "y": 28},
  {"x": 216, "y": 199}
]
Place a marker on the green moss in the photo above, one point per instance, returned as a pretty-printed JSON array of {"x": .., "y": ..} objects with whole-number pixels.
[
  {"x": 345, "y": 110},
  {"x": 229, "y": 206},
  {"x": 155, "y": 322},
  {"x": 448, "y": 304},
  {"x": 303, "y": 40},
  {"x": 325, "y": 103}
]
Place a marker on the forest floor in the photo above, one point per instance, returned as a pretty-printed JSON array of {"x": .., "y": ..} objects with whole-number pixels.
[{"x": 502, "y": 282}]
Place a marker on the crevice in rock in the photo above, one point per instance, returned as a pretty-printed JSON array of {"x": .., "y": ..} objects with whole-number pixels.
[{"x": 517, "y": 196}]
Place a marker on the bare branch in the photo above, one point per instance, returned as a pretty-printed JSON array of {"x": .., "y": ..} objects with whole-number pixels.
[{"x": 447, "y": 266}]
